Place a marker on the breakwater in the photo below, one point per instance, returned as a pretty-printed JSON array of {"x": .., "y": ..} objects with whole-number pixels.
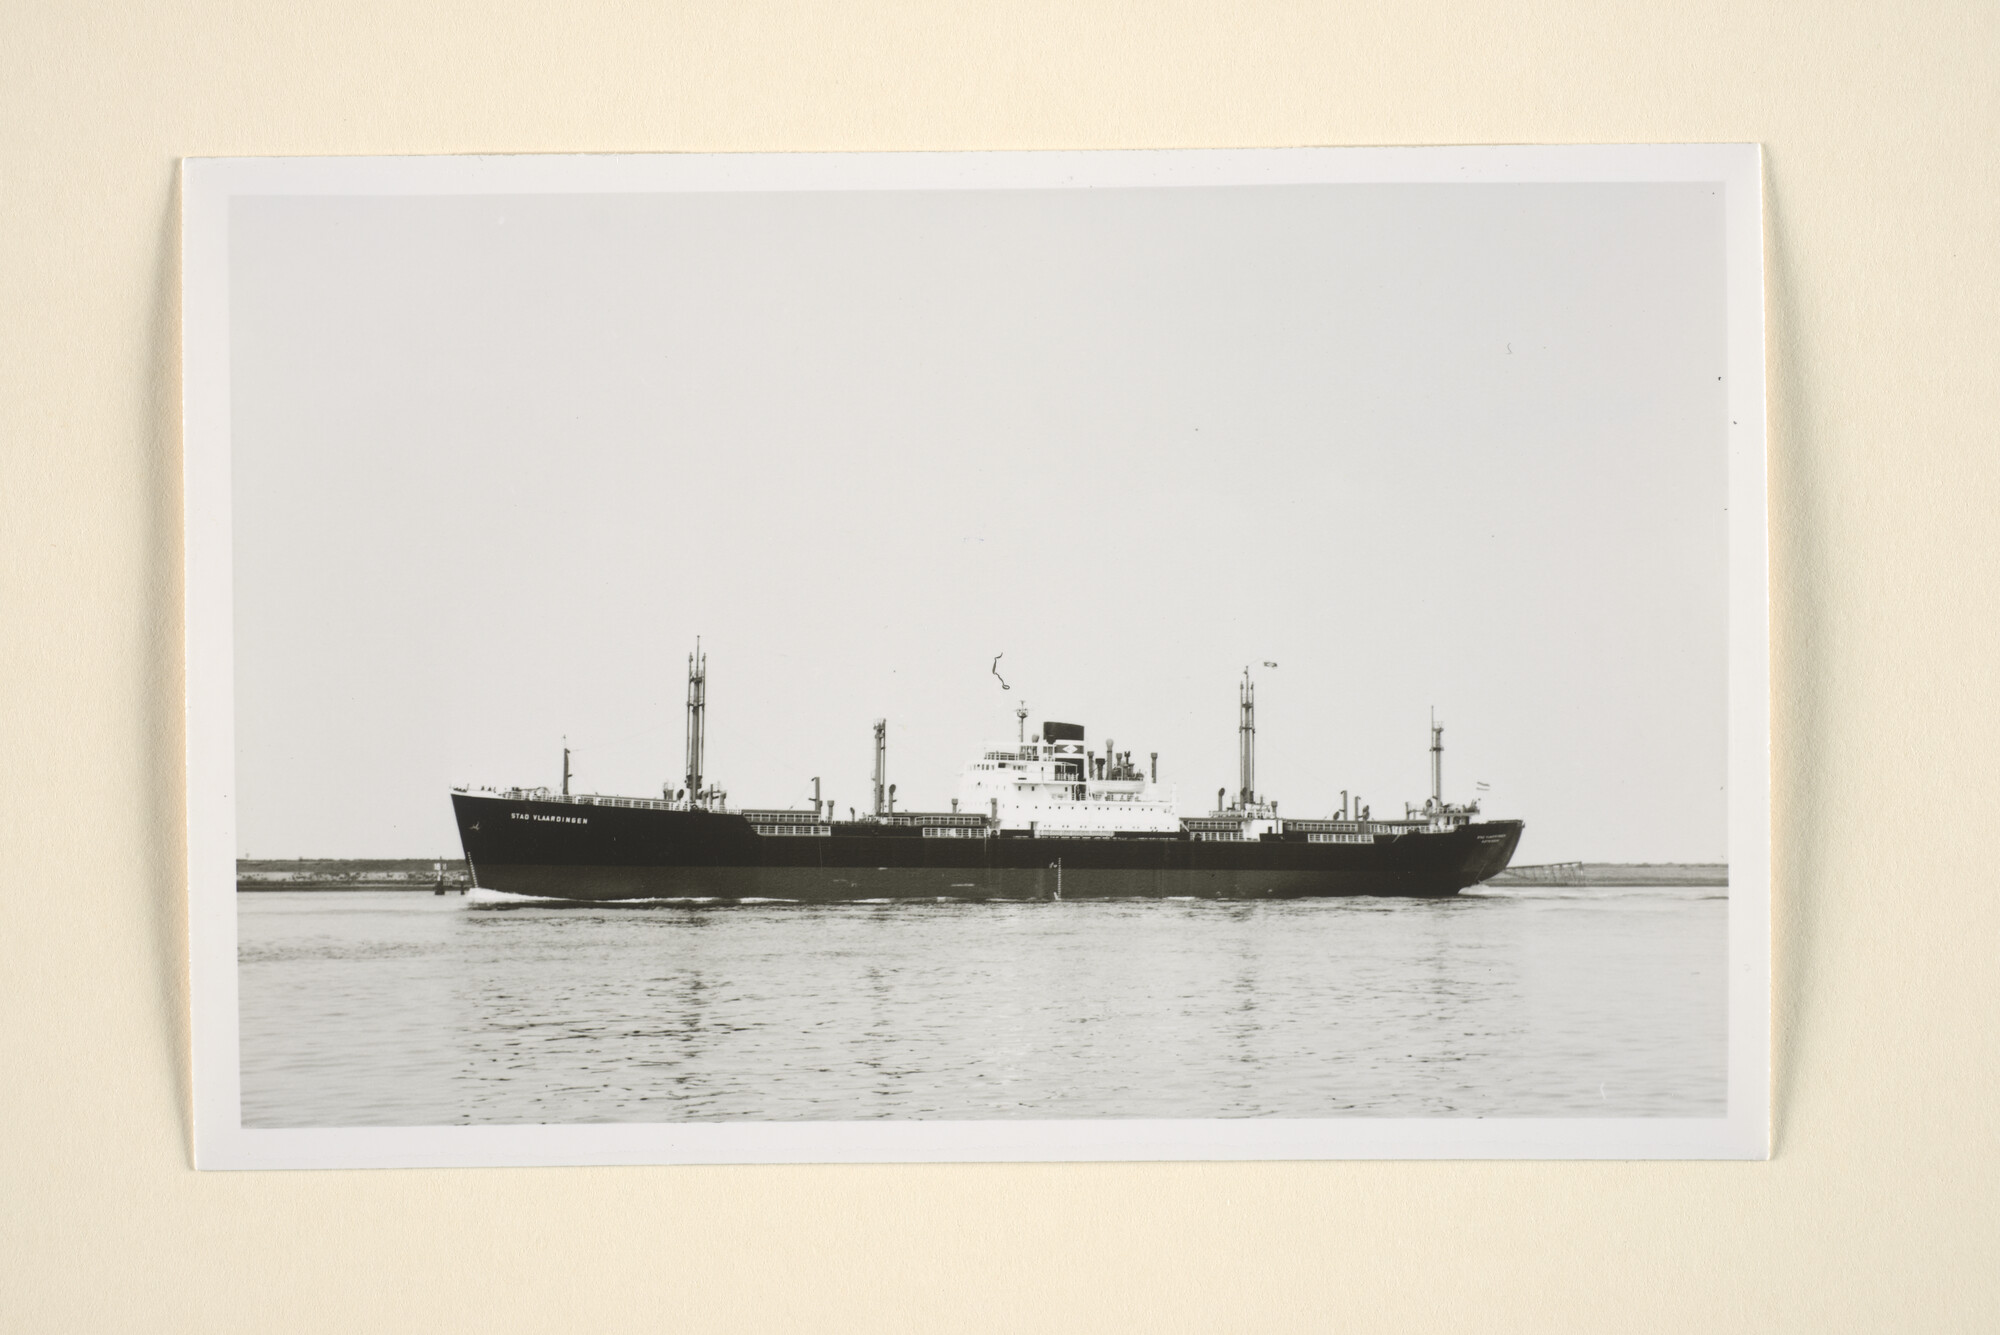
[
  {"x": 1616, "y": 873},
  {"x": 349, "y": 873}
]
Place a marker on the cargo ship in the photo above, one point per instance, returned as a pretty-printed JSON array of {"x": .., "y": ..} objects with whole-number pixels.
[{"x": 1045, "y": 816}]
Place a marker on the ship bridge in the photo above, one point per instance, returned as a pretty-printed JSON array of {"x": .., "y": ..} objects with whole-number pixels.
[{"x": 1054, "y": 785}]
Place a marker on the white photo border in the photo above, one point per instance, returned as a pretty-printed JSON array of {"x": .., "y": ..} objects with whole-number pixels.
[{"x": 220, "y": 1139}]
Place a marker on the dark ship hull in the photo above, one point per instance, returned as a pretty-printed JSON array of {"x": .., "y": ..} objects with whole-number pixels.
[{"x": 616, "y": 848}]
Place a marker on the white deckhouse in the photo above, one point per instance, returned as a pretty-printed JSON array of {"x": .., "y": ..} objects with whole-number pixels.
[{"x": 1055, "y": 787}]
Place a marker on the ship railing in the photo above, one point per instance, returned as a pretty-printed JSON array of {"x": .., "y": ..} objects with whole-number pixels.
[
  {"x": 600, "y": 800},
  {"x": 1412, "y": 827},
  {"x": 1035, "y": 750},
  {"x": 932, "y": 819}
]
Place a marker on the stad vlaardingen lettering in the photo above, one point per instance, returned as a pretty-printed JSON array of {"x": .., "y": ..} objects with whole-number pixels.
[{"x": 1042, "y": 817}]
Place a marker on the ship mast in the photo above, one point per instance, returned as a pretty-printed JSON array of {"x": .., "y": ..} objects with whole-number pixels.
[
  {"x": 1437, "y": 759},
  {"x": 565, "y": 771},
  {"x": 881, "y": 765},
  {"x": 697, "y": 709},
  {"x": 1246, "y": 740}
]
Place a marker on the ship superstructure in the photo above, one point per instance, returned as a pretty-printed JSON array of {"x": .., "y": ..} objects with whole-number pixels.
[
  {"x": 1055, "y": 787},
  {"x": 1043, "y": 815}
]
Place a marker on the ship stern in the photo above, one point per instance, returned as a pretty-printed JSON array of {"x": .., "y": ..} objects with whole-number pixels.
[{"x": 1494, "y": 845}]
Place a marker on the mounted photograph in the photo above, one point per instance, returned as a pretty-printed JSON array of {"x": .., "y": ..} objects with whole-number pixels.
[{"x": 1220, "y": 654}]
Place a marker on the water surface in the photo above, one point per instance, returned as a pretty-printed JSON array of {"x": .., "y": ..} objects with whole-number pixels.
[{"x": 394, "y": 1009}]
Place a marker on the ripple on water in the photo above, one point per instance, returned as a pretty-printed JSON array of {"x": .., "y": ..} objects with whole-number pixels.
[{"x": 387, "y": 1008}]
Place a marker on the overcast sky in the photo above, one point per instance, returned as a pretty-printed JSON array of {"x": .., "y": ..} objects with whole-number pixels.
[{"x": 498, "y": 461}]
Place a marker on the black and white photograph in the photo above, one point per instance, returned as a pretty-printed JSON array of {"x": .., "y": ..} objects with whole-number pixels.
[{"x": 1007, "y": 656}]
